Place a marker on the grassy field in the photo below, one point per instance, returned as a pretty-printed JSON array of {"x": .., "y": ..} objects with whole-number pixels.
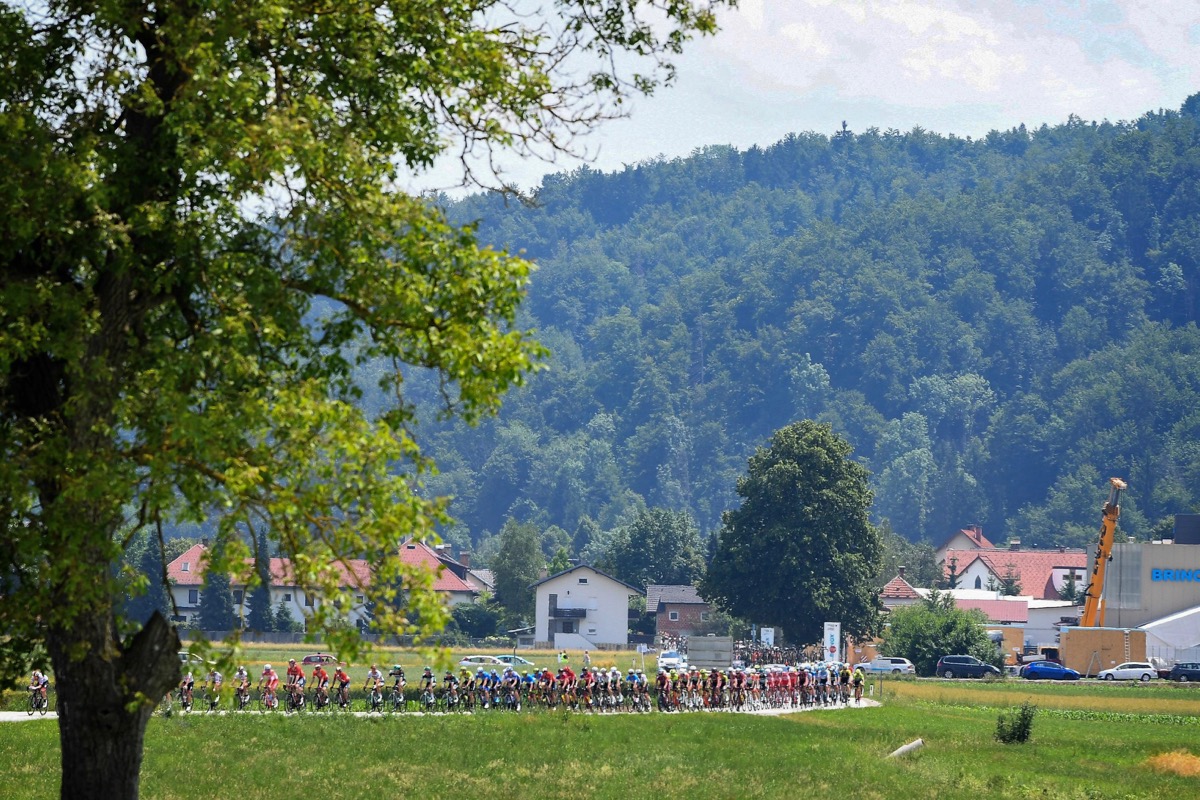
[{"x": 1074, "y": 753}]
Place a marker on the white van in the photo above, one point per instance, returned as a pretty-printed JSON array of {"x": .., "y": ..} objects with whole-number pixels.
[{"x": 896, "y": 666}]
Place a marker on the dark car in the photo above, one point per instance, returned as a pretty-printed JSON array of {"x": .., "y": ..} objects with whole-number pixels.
[
  {"x": 1184, "y": 672},
  {"x": 1049, "y": 671},
  {"x": 964, "y": 667}
]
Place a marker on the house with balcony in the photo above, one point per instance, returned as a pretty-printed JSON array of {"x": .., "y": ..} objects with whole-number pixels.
[{"x": 581, "y": 608}]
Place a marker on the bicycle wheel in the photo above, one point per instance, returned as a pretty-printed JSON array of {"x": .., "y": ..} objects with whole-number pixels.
[{"x": 33, "y": 702}]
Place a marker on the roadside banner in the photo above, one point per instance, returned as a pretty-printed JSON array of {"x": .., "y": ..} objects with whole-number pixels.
[
  {"x": 767, "y": 636},
  {"x": 832, "y": 644}
]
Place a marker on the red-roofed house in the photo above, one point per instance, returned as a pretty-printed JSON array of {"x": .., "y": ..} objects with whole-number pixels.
[
  {"x": 186, "y": 576},
  {"x": 898, "y": 592},
  {"x": 454, "y": 589},
  {"x": 969, "y": 538},
  {"x": 1009, "y": 611},
  {"x": 1042, "y": 574}
]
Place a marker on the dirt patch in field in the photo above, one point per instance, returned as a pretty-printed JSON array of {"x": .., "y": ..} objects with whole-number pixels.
[{"x": 1179, "y": 762}]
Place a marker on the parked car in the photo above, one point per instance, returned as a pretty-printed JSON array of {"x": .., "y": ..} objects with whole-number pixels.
[
  {"x": 672, "y": 659},
  {"x": 319, "y": 658},
  {"x": 516, "y": 662},
  {"x": 188, "y": 659},
  {"x": 487, "y": 662},
  {"x": 1185, "y": 671},
  {"x": 1049, "y": 671},
  {"x": 1129, "y": 671},
  {"x": 964, "y": 667},
  {"x": 896, "y": 666}
]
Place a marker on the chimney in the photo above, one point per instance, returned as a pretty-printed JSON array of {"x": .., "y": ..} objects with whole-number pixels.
[
  {"x": 902, "y": 572},
  {"x": 1014, "y": 544},
  {"x": 204, "y": 542},
  {"x": 464, "y": 558}
]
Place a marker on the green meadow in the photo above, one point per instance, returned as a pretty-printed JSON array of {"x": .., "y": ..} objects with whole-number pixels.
[{"x": 1114, "y": 750}]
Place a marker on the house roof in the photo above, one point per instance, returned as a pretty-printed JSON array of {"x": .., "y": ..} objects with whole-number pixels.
[
  {"x": 898, "y": 589},
  {"x": 188, "y": 570},
  {"x": 590, "y": 569},
  {"x": 1034, "y": 569},
  {"x": 419, "y": 553},
  {"x": 659, "y": 594},
  {"x": 999, "y": 611},
  {"x": 975, "y": 535}
]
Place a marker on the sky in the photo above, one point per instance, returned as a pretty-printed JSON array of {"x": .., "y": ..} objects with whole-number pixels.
[{"x": 962, "y": 67}]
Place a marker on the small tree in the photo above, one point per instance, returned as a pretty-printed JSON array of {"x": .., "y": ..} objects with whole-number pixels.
[
  {"x": 1010, "y": 582},
  {"x": 284, "y": 621},
  {"x": 1016, "y": 727},
  {"x": 925, "y": 632},
  {"x": 952, "y": 575},
  {"x": 1070, "y": 591}
]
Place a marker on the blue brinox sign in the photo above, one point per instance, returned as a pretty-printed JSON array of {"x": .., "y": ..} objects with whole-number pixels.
[{"x": 1181, "y": 575}]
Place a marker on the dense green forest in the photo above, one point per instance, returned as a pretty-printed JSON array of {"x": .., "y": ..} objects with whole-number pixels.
[{"x": 995, "y": 325}]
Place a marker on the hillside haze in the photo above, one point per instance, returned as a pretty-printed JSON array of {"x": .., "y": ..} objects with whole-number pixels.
[{"x": 996, "y": 326}]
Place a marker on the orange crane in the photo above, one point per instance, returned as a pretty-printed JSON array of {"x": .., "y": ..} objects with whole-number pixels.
[{"x": 1093, "y": 604}]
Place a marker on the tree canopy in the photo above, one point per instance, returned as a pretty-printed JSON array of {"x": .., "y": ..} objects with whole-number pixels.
[
  {"x": 799, "y": 551},
  {"x": 935, "y": 627},
  {"x": 206, "y": 242}
]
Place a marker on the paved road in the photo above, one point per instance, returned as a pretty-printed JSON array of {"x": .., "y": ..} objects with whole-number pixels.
[{"x": 21, "y": 716}]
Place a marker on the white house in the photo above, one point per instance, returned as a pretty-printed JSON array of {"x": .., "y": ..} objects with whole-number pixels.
[
  {"x": 186, "y": 576},
  {"x": 581, "y": 608}
]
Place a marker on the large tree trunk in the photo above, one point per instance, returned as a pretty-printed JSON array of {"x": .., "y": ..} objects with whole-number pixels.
[{"x": 107, "y": 691}]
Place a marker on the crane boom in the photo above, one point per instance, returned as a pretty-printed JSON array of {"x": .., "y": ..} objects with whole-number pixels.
[{"x": 1093, "y": 604}]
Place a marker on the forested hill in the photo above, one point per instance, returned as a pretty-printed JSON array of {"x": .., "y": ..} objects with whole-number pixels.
[{"x": 996, "y": 326}]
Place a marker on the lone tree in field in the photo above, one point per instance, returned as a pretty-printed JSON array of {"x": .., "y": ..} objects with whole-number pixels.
[
  {"x": 800, "y": 550},
  {"x": 204, "y": 241}
]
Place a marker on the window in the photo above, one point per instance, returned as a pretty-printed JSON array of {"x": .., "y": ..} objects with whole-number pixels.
[
  {"x": 568, "y": 626},
  {"x": 308, "y": 600},
  {"x": 673, "y": 616},
  {"x": 359, "y": 599},
  {"x": 193, "y": 596},
  {"x": 704, "y": 616},
  {"x": 186, "y": 567},
  {"x": 287, "y": 597},
  {"x": 237, "y": 596},
  {"x": 583, "y": 581},
  {"x": 978, "y": 582}
]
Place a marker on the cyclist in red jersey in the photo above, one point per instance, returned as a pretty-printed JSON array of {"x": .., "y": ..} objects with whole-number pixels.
[
  {"x": 343, "y": 685},
  {"x": 320, "y": 679},
  {"x": 271, "y": 679},
  {"x": 295, "y": 680}
]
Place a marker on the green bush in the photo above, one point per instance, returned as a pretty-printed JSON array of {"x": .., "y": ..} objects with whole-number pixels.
[{"x": 1016, "y": 726}]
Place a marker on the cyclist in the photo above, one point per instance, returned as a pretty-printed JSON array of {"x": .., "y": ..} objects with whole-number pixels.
[
  {"x": 844, "y": 681},
  {"x": 320, "y": 679},
  {"x": 399, "y": 683},
  {"x": 858, "y": 678},
  {"x": 295, "y": 682},
  {"x": 241, "y": 680},
  {"x": 271, "y": 678},
  {"x": 38, "y": 682},
  {"x": 213, "y": 684},
  {"x": 186, "y": 687},
  {"x": 343, "y": 686},
  {"x": 374, "y": 687}
]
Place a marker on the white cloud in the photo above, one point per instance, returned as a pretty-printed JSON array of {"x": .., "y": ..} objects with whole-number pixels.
[{"x": 1027, "y": 61}]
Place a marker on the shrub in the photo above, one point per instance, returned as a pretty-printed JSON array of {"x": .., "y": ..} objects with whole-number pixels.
[{"x": 1016, "y": 726}]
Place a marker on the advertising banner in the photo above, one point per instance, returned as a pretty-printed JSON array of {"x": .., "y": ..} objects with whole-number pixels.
[{"x": 832, "y": 643}]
